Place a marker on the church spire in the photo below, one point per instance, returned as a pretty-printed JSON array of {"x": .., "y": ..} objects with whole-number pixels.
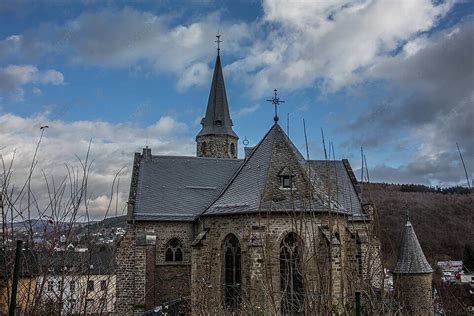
[{"x": 217, "y": 121}]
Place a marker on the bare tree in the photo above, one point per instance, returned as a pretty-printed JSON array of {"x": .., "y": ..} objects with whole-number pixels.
[{"x": 61, "y": 273}]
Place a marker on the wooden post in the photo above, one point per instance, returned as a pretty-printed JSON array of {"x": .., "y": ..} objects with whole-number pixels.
[
  {"x": 16, "y": 277},
  {"x": 358, "y": 312}
]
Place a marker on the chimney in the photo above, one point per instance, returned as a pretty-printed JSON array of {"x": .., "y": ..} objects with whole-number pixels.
[{"x": 146, "y": 153}]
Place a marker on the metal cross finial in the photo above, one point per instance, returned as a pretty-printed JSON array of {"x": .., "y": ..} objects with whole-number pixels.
[
  {"x": 276, "y": 101},
  {"x": 218, "y": 42}
]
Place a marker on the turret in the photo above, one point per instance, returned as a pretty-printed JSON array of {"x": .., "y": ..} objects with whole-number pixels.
[{"x": 412, "y": 275}]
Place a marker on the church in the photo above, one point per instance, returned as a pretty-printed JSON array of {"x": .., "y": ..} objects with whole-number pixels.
[{"x": 268, "y": 233}]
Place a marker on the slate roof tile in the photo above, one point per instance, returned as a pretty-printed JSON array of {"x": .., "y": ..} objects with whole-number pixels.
[
  {"x": 180, "y": 188},
  {"x": 411, "y": 258}
]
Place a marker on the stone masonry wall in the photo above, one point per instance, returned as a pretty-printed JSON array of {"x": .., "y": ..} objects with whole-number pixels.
[
  {"x": 414, "y": 292},
  {"x": 171, "y": 279},
  {"x": 217, "y": 146},
  {"x": 260, "y": 239},
  {"x": 126, "y": 274}
]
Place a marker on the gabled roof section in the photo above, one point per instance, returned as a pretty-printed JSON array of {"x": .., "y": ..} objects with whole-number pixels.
[
  {"x": 410, "y": 257},
  {"x": 171, "y": 188},
  {"x": 255, "y": 187},
  {"x": 217, "y": 120},
  {"x": 244, "y": 192},
  {"x": 338, "y": 183}
]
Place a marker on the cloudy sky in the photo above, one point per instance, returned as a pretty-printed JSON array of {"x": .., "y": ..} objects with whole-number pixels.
[{"x": 395, "y": 77}]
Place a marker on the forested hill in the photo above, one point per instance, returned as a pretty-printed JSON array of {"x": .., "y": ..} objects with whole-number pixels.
[{"x": 443, "y": 220}]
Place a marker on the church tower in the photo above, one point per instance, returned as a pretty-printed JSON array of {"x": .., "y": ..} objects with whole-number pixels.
[
  {"x": 412, "y": 276},
  {"x": 216, "y": 138}
]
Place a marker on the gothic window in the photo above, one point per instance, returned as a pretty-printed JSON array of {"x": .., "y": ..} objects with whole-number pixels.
[
  {"x": 291, "y": 278},
  {"x": 173, "y": 250},
  {"x": 203, "y": 148},
  {"x": 232, "y": 271},
  {"x": 232, "y": 149}
]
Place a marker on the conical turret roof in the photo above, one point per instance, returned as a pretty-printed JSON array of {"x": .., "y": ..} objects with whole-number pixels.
[
  {"x": 410, "y": 256},
  {"x": 217, "y": 120}
]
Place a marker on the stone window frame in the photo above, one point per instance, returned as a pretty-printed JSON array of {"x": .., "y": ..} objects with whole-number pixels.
[
  {"x": 174, "y": 249},
  {"x": 286, "y": 173},
  {"x": 232, "y": 149},
  {"x": 283, "y": 178},
  {"x": 293, "y": 267},
  {"x": 230, "y": 301},
  {"x": 203, "y": 148}
]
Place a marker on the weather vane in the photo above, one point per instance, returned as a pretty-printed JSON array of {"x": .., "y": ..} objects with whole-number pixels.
[
  {"x": 218, "y": 42},
  {"x": 276, "y": 102}
]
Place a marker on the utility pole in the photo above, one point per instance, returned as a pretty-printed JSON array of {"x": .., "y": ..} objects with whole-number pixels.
[{"x": 16, "y": 277}]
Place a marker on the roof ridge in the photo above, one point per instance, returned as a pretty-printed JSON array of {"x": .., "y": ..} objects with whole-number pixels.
[{"x": 196, "y": 157}]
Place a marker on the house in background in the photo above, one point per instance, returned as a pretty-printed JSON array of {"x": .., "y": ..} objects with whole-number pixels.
[
  {"x": 26, "y": 284},
  {"x": 79, "y": 282},
  {"x": 66, "y": 282}
]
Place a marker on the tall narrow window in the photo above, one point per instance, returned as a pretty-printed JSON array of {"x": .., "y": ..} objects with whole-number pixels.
[
  {"x": 173, "y": 250},
  {"x": 232, "y": 150},
  {"x": 203, "y": 148},
  {"x": 291, "y": 277},
  {"x": 232, "y": 271}
]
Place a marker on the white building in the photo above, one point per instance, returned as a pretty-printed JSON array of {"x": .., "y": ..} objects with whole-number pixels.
[{"x": 80, "y": 282}]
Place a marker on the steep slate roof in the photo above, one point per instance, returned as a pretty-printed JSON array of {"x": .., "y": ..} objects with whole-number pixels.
[
  {"x": 248, "y": 192},
  {"x": 340, "y": 185},
  {"x": 180, "y": 188},
  {"x": 244, "y": 192},
  {"x": 217, "y": 120},
  {"x": 410, "y": 257}
]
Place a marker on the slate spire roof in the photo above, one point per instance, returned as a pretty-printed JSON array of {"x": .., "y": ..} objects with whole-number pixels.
[
  {"x": 217, "y": 120},
  {"x": 410, "y": 257}
]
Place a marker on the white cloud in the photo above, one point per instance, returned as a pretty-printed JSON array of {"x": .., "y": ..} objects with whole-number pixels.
[
  {"x": 13, "y": 77},
  {"x": 137, "y": 38},
  {"x": 247, "y": 110},
  {"x": 167, "y": 125},
  {"x": 331, "y": 40},
  {"x": 195, "y": 75},
  {"x": 112, "y": 148}
]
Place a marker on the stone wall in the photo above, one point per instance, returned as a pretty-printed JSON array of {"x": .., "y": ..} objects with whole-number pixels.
[
  {"x": 414, "y": 291},
  {"x": 217, "y": 146},
  {"x": 260, "y": 239},
  {"x": 144, "y": 282},
  {"x": 128, "y": 271}
]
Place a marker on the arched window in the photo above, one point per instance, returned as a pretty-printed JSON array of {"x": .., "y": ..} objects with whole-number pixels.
[
  {"x": 232, "y": 149},
  {"x": 291, "y": 277},
  {"x": 232, "y": 271},
  {"x": 203, "y": 148},
  {"x": 173, "y": 250}
]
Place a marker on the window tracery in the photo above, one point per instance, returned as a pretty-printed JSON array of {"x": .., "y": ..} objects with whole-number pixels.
[
  {"x": 173, "y": 250},
  {"x": 291, "y": 277},
  {"x": 232, "y": 271}
]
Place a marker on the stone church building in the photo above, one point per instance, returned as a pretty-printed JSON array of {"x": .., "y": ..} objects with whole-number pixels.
[{"x": 271, "y": 231}]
